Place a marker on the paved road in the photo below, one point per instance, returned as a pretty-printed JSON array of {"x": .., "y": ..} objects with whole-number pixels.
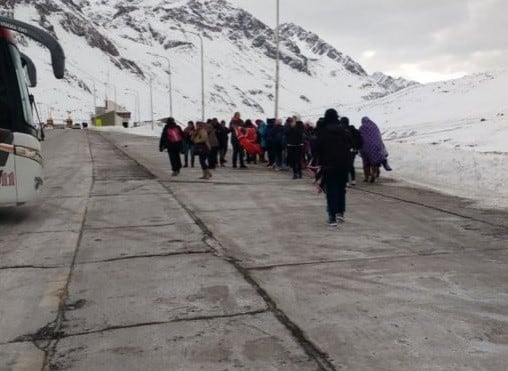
[{"x": 121, "y": 267}]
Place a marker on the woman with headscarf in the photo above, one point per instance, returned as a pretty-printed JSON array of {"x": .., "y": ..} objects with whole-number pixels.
[
  {"x": 373, "y": 150},
  {"x": 202, "y": 148}
]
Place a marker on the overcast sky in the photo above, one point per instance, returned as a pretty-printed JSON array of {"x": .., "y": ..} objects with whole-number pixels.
[{"x": 423, "y": 40}]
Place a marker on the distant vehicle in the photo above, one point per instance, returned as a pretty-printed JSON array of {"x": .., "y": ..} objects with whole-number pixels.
[
  {"x": 76, "y": 126},
  {"x": 20, "y": 148}
]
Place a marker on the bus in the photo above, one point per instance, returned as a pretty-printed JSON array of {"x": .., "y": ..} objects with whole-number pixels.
[{"x": 21, "y": 167}]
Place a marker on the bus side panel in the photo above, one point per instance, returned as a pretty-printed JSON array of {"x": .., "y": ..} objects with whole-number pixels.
[
  {"x": 8, "y": 182},
  {"x": 28, "y": 172}
]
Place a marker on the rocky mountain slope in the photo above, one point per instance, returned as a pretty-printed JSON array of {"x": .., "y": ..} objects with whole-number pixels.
[{"x": 107, "y": 44}]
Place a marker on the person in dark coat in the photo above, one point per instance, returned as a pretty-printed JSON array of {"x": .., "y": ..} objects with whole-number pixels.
[
  {"x": 294, "y": 143},
  {"x": 222, "y": 136},
  {"x": 333, "y": 149},
  {"x": 238, "y": 151},
  {"x": 277, "y": 143},
  {"x": 270, "y": 125},
  {"x": 357, "y": 145},
  {"x": 172, "y": 140}
]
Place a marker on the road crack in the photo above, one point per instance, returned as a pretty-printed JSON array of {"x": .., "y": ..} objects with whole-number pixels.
[{"x": 321, "y": 358}]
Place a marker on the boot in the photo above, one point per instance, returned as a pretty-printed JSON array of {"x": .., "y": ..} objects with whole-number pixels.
[
  {"x": 366, "y": 173},
  {"x": 208, "y": 174},
  {"x": 205, "y": 172}
]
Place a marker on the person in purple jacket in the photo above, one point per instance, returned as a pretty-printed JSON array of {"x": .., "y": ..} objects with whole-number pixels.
[{"x": 373, "y": 150}]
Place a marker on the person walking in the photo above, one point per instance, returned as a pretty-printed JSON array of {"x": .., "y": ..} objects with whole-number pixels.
[
  {"x": 278, "y": 144},
  {"x": 261, "y": 131},
  {"x": 222, "y": 135},
  {"x": 188, "y": 149},
  {"x": 214, "y": 144},
  {"x": 202, "y": 148},
  {"x": 333, "y": 149},
  {"x": 294, "y": 142},
  {"x": 373, "y": 150},
  {"x": 238, "y": 152},
  {"x": 357, "y": 145},
  {"x": 269, "y": 131},
  {"x": 172, "y": 140}
]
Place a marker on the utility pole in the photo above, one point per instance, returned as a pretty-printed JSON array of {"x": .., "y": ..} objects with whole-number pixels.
[
  {"x": 135, "y": 93},
  {"x": 94, "y": 99},
  {"x": 202, "y": 75},
  {"x": 170, "y": 87},
  {"x": 277, "y": 61},
  {"x": 151, "y": 101}
]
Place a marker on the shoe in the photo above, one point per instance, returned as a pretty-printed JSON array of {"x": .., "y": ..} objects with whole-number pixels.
[
  {"x": 295, "y": 176},
  {"x": 300, "y": 175},
  {"x": 372, "y": 179},
  {"x": 174, "y": 173},
  {"x": 208, "y": 174},
  {"x": 234, "y": 166},
  {"x": 204, "y": 175},
  {"x": 353, "y": 182},
  {"x": 340, "y": 218},
  {"x": 332, "y": 223},
  {"x": 243, "y": 167},
  {"x": 277, "y": 168},
  {"x": 185, "y": 165}
]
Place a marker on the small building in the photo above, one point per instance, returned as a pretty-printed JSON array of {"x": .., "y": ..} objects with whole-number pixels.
[{"x": 112, "y": 114}]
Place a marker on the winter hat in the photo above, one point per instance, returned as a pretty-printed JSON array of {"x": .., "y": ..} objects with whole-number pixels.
[
  {"x": 331, "y": 115},
  {"x": 170, "y": 121},
  {"x": 344, "y": 121}
]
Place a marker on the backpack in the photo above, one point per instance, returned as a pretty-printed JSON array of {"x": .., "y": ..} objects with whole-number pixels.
[{"x": 174, "y": 135}]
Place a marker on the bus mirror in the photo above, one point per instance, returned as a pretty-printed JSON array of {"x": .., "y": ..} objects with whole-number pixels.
[{"x": 30, "y": 67}]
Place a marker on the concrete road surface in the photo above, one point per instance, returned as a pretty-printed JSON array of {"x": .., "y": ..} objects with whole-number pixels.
[{"x": 119, "y": 266}]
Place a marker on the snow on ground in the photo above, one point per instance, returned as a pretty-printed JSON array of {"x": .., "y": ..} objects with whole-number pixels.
[{"x": 450, "y": 136}]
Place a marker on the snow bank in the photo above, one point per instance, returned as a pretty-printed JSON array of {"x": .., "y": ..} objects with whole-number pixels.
[{"x": 460, "y": 172}]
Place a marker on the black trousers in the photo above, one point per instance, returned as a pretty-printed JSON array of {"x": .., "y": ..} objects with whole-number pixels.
[
  {"x": 212, "y": 157},
  {"x": 174, "y": 159},
  {"x": 294, "y": 160},
  {"x": 238, "y": 154},
  {"x": 352, "y": 171}
]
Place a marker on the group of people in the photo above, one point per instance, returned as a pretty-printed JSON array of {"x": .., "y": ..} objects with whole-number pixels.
[{"x": 328, "y": 149}]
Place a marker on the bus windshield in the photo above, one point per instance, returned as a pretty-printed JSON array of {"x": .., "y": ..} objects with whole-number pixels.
[
  {"x": 22, "y": 84},
  {"x": 15, "y": 107}
]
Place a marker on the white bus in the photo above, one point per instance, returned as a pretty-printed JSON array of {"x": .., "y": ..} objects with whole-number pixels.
[{"x": 20, "y": 149}]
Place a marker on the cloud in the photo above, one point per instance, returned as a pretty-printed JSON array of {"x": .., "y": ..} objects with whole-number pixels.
[{"x": 419, "y": 39}]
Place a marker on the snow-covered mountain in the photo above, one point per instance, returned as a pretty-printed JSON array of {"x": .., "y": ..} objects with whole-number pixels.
[
  {"x": 390, "y": 83},
  {"x": 107, "y": 44}
]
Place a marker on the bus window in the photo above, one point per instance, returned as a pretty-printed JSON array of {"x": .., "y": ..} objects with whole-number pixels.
[
  {"x": 5, "y": 122},
  {"x": 20, "y": 74}
]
